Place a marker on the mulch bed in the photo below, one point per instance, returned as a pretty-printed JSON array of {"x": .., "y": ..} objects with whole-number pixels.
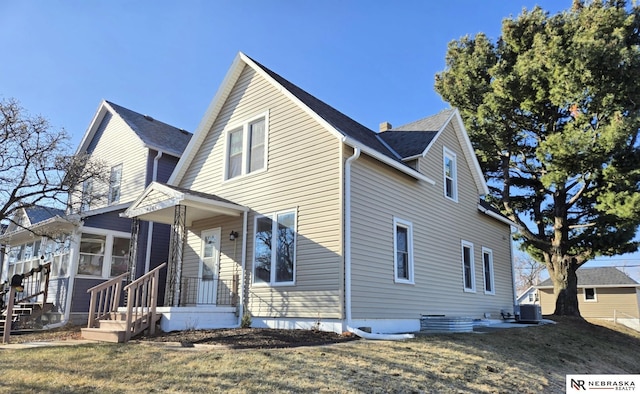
[{"x": 250, "y": 338}]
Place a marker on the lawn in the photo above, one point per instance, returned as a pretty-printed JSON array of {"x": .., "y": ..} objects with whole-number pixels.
[{"x": 523, "y": 360}]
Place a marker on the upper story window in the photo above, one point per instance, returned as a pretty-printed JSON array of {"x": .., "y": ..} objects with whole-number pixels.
[
  {"x": 115, "y": 181},
  {"x": 247, "y": 147},
  {"x": 450, "y": 169},
  {"x": 275, "y": 248},
  {"x": 468, "y": 269},
  {"x": 403, "y": 250},
  {"x": 87, "y": 195},
  {"x": 487, "y": 267}
]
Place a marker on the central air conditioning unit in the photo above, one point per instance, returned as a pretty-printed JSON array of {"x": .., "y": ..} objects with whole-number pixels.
[{"x": 530, "y": 313}]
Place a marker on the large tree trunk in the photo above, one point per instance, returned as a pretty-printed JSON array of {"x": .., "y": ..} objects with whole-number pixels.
[{"x": 565, "y": 286}]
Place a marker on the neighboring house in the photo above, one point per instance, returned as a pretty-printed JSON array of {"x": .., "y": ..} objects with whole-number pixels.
[
  {"x": 285, "y": 208},
  {"x": 24, "y": 250},
  {"x": 602, "y": 293},
  {"x": 137, "y": 150},
  {"x": 528, "y": 297}
]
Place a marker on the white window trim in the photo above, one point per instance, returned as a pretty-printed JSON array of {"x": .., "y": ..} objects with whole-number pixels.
[
  {"x": 491, "y": 276},
  {"x": 446, "y": 153},
  {"x": 595, "y": 294},
  {"x": 108, "y": 250},
  {"x": 472, "y": 266},
  {"x": 244, "y": 125},
  {"x": 397, "y": 222},
  {"x": 274, "y": 224}
]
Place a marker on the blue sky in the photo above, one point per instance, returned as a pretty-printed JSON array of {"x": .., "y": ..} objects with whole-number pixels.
[{"x": 373, "y": 60}]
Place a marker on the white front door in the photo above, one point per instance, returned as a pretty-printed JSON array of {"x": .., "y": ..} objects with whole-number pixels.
[{"x": 209, "y": 266}]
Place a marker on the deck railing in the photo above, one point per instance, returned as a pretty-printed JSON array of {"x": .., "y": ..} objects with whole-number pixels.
[
  {"x": 199, "y": 291},
  {"x": 142, "y": 300}
]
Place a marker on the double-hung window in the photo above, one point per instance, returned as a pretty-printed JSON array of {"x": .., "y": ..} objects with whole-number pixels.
[
  {"x": 274, "y": 259},
  {"x": 450, "y": 175},
  {"x": 247, "y": 147},
  {"x": 115, "y": 181},
  {"x": 487, "y": 267},
  {"x": 403, "y": 251},
  {"x": 468, "y": 269},
  {"x": 87, "y": 193}
]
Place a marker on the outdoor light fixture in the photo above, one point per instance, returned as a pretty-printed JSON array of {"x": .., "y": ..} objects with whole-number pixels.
[
  {"x": 16, "y": 282},
  {"x": 233, "y": 235}
]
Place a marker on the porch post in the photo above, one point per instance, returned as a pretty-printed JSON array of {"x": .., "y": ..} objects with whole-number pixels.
[
  {"x": 133, "y": 249},
  {"x": 176, "y": 249}
]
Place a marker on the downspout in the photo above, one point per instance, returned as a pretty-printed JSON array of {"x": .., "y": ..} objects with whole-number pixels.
[
  {"x": 154, "y": 177},
  {"x": 347, "y": 258},
  {"x": 244, "y": 266}
]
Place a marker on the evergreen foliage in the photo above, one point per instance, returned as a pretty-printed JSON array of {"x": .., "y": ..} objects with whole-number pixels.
[{"x": 553, "y": 110}]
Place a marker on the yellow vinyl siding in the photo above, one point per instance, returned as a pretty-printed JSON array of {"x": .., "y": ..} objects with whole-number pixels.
[
  {"x": 608, "y": 299},
  {"x": 303, "y": 174},
  {"x": 439, "y": 225},
  {"x": 120, "y": 145}
]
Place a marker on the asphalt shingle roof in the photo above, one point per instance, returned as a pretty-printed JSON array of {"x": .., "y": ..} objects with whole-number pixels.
[
  {"x": 408, "y": 143},
  {"x": 413, "y": 138},
  {"x": 600, "y": 276},
  {"x": 430, "y": 123},
  {"x": 341, "y": 122},
  {"x": 38, "y": 213},
  {"x": 153, "y": 132}
]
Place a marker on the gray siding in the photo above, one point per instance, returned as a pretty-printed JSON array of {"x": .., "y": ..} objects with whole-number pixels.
[
  {"x": 109, "y": 221},
  {"x": 439, "y": 225},
  {"x": 303, "y": 174},
  {"x": 166, "y": 164}
]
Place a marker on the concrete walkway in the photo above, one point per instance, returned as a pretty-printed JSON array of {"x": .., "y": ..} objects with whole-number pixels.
[{"x": 35, "y": 344}]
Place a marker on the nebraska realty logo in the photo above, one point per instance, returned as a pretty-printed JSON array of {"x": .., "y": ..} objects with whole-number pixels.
[{"x": 582, "y": 383}]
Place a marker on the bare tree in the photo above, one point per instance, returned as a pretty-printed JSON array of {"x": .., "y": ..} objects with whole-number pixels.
[
  {"x": 528, "y": 272},
  {"x": 37, "y": 166}
]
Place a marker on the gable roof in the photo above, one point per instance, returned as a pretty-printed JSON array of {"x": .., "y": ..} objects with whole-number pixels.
[
  {"x": 39, "y": 213},
  {"x": 341, "y": 122},
  {"x": 38, "y": 218},
  {"x": 346, "y": 129},
  {"x": 598, "y": 277},
  {"x": 153, "y": 133}
]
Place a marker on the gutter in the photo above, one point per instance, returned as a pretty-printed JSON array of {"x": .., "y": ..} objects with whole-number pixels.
[
  {"x": 347, "y": 259},
  {"x": 386, "y": 160}
]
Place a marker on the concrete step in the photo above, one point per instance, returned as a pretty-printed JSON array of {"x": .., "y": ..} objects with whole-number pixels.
[{"x": 99, "y": 334}]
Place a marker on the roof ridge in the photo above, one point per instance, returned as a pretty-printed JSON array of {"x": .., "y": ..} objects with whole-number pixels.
[{"x": 447, "y": 111}]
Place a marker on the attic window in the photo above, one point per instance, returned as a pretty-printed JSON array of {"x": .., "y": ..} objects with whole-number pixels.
[
  {"x": 246, "y": 150},
  {"x": 450, "y": 170}
]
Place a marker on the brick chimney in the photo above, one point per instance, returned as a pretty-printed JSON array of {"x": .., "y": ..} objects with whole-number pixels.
[{"x": 384, "y": 126}]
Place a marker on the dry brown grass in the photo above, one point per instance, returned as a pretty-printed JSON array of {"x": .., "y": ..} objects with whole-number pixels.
[{"x": 523, "y": 360}]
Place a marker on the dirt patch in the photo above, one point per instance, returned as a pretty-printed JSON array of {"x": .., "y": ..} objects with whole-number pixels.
[
  {"x": 250, "y": 338},
  {"x": 237, "y": 338}
]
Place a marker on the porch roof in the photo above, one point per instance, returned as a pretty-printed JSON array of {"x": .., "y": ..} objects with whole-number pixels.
[
  {"x": 50, "y": 227},
  {"x": 158, "y": 201}
]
